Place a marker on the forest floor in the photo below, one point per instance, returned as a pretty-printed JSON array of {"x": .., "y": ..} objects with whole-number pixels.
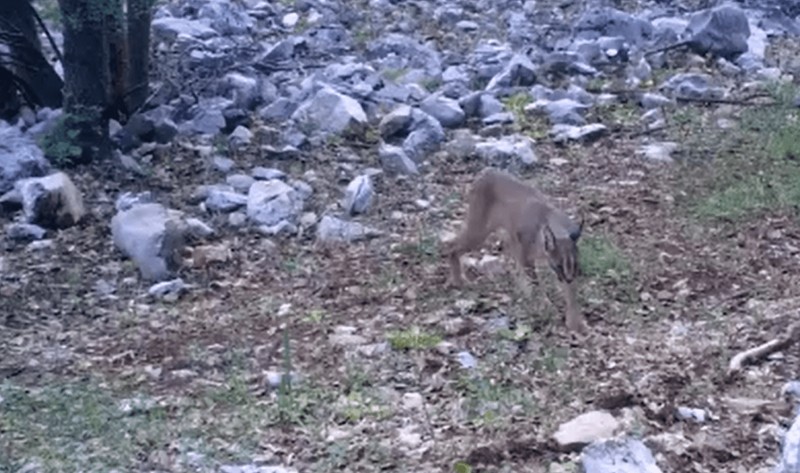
[{"x": 686, "y": 264}]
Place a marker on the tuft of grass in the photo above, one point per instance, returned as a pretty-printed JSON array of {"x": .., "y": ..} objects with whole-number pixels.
[
  {"x": 394, "y": 75},
  {"x": 535, "y": 127},
  {"x": 757, "y": 167},
  {"x": 602, "y": 259},
  {"x": 413, "y": 338},
  {"x": 490, "y": 402},
  {"x": 73, "y": 426}
]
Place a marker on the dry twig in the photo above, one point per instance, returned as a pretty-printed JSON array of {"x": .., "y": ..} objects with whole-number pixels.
[{"x": 763, "y": 350}]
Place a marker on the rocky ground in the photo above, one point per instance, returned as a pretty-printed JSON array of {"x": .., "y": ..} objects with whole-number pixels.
[{"x": 690, "y": 251}]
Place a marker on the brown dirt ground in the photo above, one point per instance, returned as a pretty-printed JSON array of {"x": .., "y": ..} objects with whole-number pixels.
[{"x": 660, "y": 341}]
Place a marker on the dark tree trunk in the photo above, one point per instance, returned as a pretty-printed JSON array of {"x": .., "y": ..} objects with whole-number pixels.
[
  {"x": 139, "y": 17},
  {"x": 118, "y": 60},
  {"x": 18, "y": 32},
  {"x": 86, "y": 76}
]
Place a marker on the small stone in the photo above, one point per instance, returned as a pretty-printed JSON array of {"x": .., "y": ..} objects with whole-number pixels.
[
  {"x": 222, "y": 164},
  {"x": 585, "y": 429},
  {"x": 412, "y": 401},
  {"x": 358, "y": 195},
  {"x": 169, "y": 290},
  {"x": 290, "y": 20},
  {"x": 697, "y": 416},
  {"x": 467, "y": 360}
]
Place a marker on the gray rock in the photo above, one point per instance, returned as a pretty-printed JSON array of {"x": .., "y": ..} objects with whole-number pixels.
[
  {"x": 284, "y": 227},
  {"x": 24, "y": 232},
  {"x": 127, "y": 200},
  {"x": 20, "y": 157},
  {"x": 274, "y": 379},
  {"x": 419, "y": 133},
  {"x": 610, "y": 22},
  {"x": 692, "y": 85},
  {"x": 408, "y": 53},
  {"x": 51, "y": 201},
  {"x": 562, "y": 111},
  {"x": 270, "y": 202},
  {"x": 219, "y": 199},
  {"x": 278, "y": 111},
  {"x": 228, "y": 18},
  {"x": 426, "y": 136},
  {"x": 358, "y": 195},
  {"x": 507, "y": 151},
  {"x": 488, "y": 105},
  {"x": 397, "y": 122},
  {"x": 237, "y": 219},
  {"x": 585, "y": 429},
  {"x": 651, "y": 100},
  {"x": 198, "y": 229},
  {"x": 141, "y": 128},
  {"x": 223, "y": 164},
  {"x": 626, "y": 455},
  {"x": 303, "y": 189},
  {"x": 502, "y": 118},
  {"x": 395, "y": 161},
  {"x": 240, "y": 182},
  {"x": 698, "y": 416},
  {"x": 567, "y": 63},
  {"x": 659, "y": 152},
  {"x": 240, "y": 137},
  {"x": 168, "y": 29},
  {"x": 152, "y": 236},
  {"x": 791, "y": 390},
  {"x": 722, "y": 31},
  {"x": 169, "y": 290},
  {"x": 467, "y": 26},
  {"x": 330, "y": 112},
  {"x": 467, "y": 360},
  {"x": 333, "y": 229},
  {"x": 520, "y": 71},
  {"x": 582, "y": 134},
  {"x": 790, "y": 450},
  {"x": 266, "y": 174},
  {"x": 602, "y": 50},
  {"x": 447, "y": 111},
  {"x": 208, "y": 120},
  {"x": 247, "y": 92}
]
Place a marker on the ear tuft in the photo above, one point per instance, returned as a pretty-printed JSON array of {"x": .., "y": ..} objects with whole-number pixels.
[{"x": 549, "y": 238}]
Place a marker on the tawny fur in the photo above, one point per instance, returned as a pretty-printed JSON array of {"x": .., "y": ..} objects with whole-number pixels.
[{"x": 535, "y": 229}]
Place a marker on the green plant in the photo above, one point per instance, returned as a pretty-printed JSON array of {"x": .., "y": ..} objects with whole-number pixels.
[
  {"x": 60, "y": 144},
  {"x": 394, "y": 74},
  {"x": 757, "y": 168},
  {"x": 413, "y": 338},
  {"x": 601, "y": 258}
]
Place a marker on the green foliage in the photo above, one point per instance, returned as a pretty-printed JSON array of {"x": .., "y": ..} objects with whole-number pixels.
[
  {"x": 535, "y": 127},
  {"x": 413, "y": 338},
  {"x": 60, "y": 145},
  {"x": 48, "y": 10},
  {"x": 602, "y": 259},
  {"x": 462, "y": 467},
  {"x": 490, "y": 402},
  {"x": 757, "y": 169},
  {"x": 394, "y": 75}
]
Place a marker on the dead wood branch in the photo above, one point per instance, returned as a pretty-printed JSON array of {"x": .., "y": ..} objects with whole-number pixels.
[{"x": 762, "y": 351}]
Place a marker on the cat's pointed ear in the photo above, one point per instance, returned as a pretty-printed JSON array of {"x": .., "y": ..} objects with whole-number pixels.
[{"x": 549, "y": 238}]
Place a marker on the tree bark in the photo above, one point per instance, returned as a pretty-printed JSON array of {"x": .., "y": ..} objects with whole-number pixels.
[
  {"x": 86, "y": 76},
  {"x": 18, "y": 32},
  {"x": 139, "y": 18}
]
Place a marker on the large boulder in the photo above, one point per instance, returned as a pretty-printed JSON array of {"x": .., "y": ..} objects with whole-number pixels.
[{"x": 152, "y": 236}]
